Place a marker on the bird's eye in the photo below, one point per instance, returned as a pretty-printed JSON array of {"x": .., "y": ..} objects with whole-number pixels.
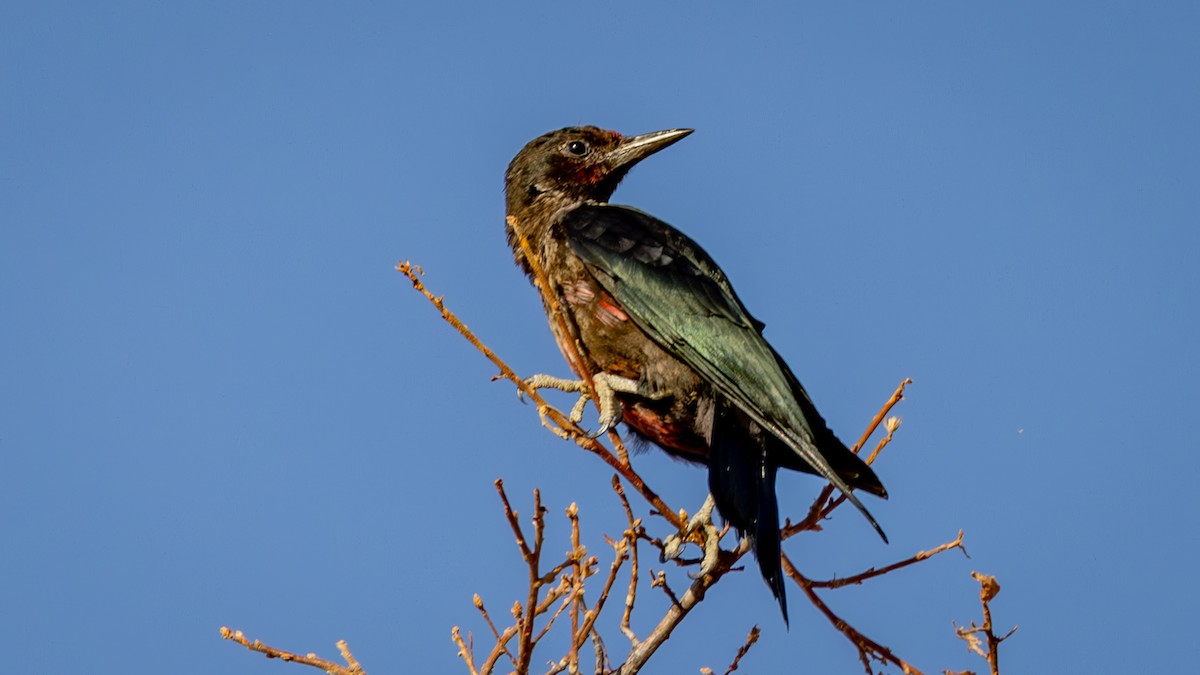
[{"x": 577, "y": 148}]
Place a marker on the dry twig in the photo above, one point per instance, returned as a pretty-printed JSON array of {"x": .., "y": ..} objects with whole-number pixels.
[
  {"x": 352, "y": 666},
  {"x": 563, "y": 585},
  {"x": 867, "y": 648},
  {"x": 561, "y": 589},
  {"x": 823, "y": 505},
  {"x": 563, "y": 423},
  {"x": 744, "y": 649},
  {"x": 679, "y": 606},
  {"x": 989, "y": 588},
  {"x": 871, "y": 573}
]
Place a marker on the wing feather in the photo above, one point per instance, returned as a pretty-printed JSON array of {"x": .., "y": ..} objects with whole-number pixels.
[{"x": 676, "y": 294}]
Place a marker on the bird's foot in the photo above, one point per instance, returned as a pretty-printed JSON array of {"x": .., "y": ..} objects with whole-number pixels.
[
  {"x": 606, "y": 385},
  {"x": 701, "y": 527}
]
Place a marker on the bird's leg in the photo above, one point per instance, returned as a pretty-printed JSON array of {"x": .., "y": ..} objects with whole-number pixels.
[
  {"x": 606, "y": 385},
  {"x": 673, "y": 545}
]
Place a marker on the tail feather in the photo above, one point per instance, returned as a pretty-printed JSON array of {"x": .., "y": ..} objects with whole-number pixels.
[{"x": 741, "y": 478}]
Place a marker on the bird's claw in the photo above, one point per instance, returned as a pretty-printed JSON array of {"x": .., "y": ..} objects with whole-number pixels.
[
  {"x": 606, "y": 387},
  {"x": 611, "y": 411},
  {"x": 711, "y": 539},
  {"x": 607, "y": 424}
]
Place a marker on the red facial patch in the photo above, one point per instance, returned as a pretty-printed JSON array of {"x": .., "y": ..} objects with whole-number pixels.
[{"x": 591, "y": 174}]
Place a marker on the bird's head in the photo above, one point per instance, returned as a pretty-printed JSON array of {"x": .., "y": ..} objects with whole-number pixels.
[{"x": 577, "y": 164}]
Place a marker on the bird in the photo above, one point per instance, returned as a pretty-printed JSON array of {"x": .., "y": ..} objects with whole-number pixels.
[{"x": 671, "y": 349}]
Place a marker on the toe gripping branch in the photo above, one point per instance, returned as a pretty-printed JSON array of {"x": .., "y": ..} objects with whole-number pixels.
[
  {"x": 700, "y": 527},
  {"x": 606, "y": 386}
]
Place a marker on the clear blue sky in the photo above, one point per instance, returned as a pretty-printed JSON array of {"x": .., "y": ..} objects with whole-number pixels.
[{"x": 219, "y": 405}]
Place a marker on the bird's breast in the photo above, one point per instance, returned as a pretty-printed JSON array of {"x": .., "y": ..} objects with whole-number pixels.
[{"x": 671, "y": 412}]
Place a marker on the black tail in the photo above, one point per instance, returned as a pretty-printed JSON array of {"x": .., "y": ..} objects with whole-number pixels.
[{"x": 741, "y": 478}]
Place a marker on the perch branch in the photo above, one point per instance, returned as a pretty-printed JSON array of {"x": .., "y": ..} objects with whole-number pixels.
[{"x": 572, "y": 430}]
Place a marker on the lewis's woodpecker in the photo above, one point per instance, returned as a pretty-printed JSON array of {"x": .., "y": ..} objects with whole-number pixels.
[{"x": 677, "y": 356}]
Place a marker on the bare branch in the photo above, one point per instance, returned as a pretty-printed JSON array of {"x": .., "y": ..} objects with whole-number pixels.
[
  {"x": 465, "y": 651},
  {"x": 989, "y": 588},
  {"x": 871, "y": 573},
  {"x": 632, "y": 535},
  {"x": 569, "y": 428},
  {"x": 511, "y": 515},
  {"x": 525, "y": 642},
  {"x": 562, "y": 591},
  {"x": 578, "y": 576},
  {"x": 589, "y": 619},
  {"x": 822, "y": 506},
  {"x": 895, "y": 398},
  {"x": 352, "y": 666},
  {"x": 575, "y": 569},
  {"x": 501, "y": 640},
  {"x": 562, "y": 588},
  {"x": 867, "y": 648},
  {"x": 744, "y": 649},
  {"x": 659, "y": 580},
  {"x": 891, "y": 425}
]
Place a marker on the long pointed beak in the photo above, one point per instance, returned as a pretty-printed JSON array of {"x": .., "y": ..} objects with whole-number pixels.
[{"x": 634, "y": 149}]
